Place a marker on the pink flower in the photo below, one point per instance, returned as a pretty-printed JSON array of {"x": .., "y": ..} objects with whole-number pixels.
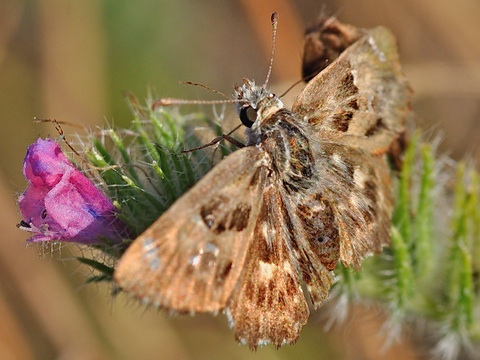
[{"x": 61, "y": 204}]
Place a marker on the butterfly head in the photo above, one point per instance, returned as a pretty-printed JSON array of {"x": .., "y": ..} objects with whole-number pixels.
[{"x": 254, "y": 104}]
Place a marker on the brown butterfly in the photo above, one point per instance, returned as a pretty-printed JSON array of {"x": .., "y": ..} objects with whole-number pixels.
[
  {"x": 311, "y": 187},
  {"x": 325, "y": 39}
]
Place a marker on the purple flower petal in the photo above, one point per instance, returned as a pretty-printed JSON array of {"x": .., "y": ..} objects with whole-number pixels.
[{"x": 61, "y": 204}]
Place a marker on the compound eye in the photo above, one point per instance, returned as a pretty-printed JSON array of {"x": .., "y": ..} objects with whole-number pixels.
[{"x": 248, "y": 115}]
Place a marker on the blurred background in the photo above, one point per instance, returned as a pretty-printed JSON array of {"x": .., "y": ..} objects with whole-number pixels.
[{"x": 74, "y": 60}]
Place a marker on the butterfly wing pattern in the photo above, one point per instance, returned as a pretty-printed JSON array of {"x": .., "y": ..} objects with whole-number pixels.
[
  {"x": 191, "y": 258},
  {"x": 311, "y": 188},
  {"x": 358, "y": 106}
]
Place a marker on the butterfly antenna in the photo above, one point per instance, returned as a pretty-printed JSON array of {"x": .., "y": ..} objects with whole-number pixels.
[
  {"x": 174, "y": 101},
  {"x": 207, "y": 88},
  {"x": 274, "y": 20}
]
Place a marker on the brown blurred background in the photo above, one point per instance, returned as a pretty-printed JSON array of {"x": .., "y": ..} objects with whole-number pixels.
[{"x": 72, "y": 60}]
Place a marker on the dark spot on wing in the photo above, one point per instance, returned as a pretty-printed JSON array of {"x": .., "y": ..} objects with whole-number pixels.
[
  {"x": 353, "y": 103},
  {"x": 239, "y": 217},
  {"x": 375, "y": 128},
  {"x": 220, "y": 228},
  {"x": 291, "y": 285},
  {"x": 348, "y": 87},
  {"x": 347, "y": 104},
  {"x": 261, "y": 294},
  {"x": 209, "y": 211},
  {"x": 223, "y": 273},
  {"x": 341, "y": 120},
  {"x": 218, "y": 219}
]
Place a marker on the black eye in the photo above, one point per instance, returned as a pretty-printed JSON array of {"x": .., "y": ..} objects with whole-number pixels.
[{"x": 248, "y": 115}]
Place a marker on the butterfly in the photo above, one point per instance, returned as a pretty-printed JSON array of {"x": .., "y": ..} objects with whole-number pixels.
[
  {"x": 325, "y": 39},
  {"x": 265, "y": 228}
]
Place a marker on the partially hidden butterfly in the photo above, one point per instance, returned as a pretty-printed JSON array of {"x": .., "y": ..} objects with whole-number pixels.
[
  {"x": 325, "y": 39},
  {"x": 265, "y": 228}
]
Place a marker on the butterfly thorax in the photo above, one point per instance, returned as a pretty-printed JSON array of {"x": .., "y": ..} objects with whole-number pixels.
[{"x": 275, "y": 129}]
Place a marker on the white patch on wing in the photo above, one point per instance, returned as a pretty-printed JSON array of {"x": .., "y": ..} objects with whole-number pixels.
[
  {"x": 212, "y": 248},
  {"x": 209, "y": 252},
  {"x": 194, "y": 260},
  {"x": 355, "y": 75},
  {"x": 380, "y": 54},
  {"x": 155, "y": 264},
  {"x": 359, "y": 177},
  {"x": 268, "y": 233},
  {"x": 337, "y": 159},
  {"x": 150, "y": 254},
  {"x": 287, "y": 267},
  {"x": 266, "y": 270}
]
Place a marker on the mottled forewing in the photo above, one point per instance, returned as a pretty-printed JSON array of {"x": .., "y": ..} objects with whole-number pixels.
[
  {"x": 191, "y": 258},
  {"x": 268, "y": 305},
  {"x": 361, "y": 99}
]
